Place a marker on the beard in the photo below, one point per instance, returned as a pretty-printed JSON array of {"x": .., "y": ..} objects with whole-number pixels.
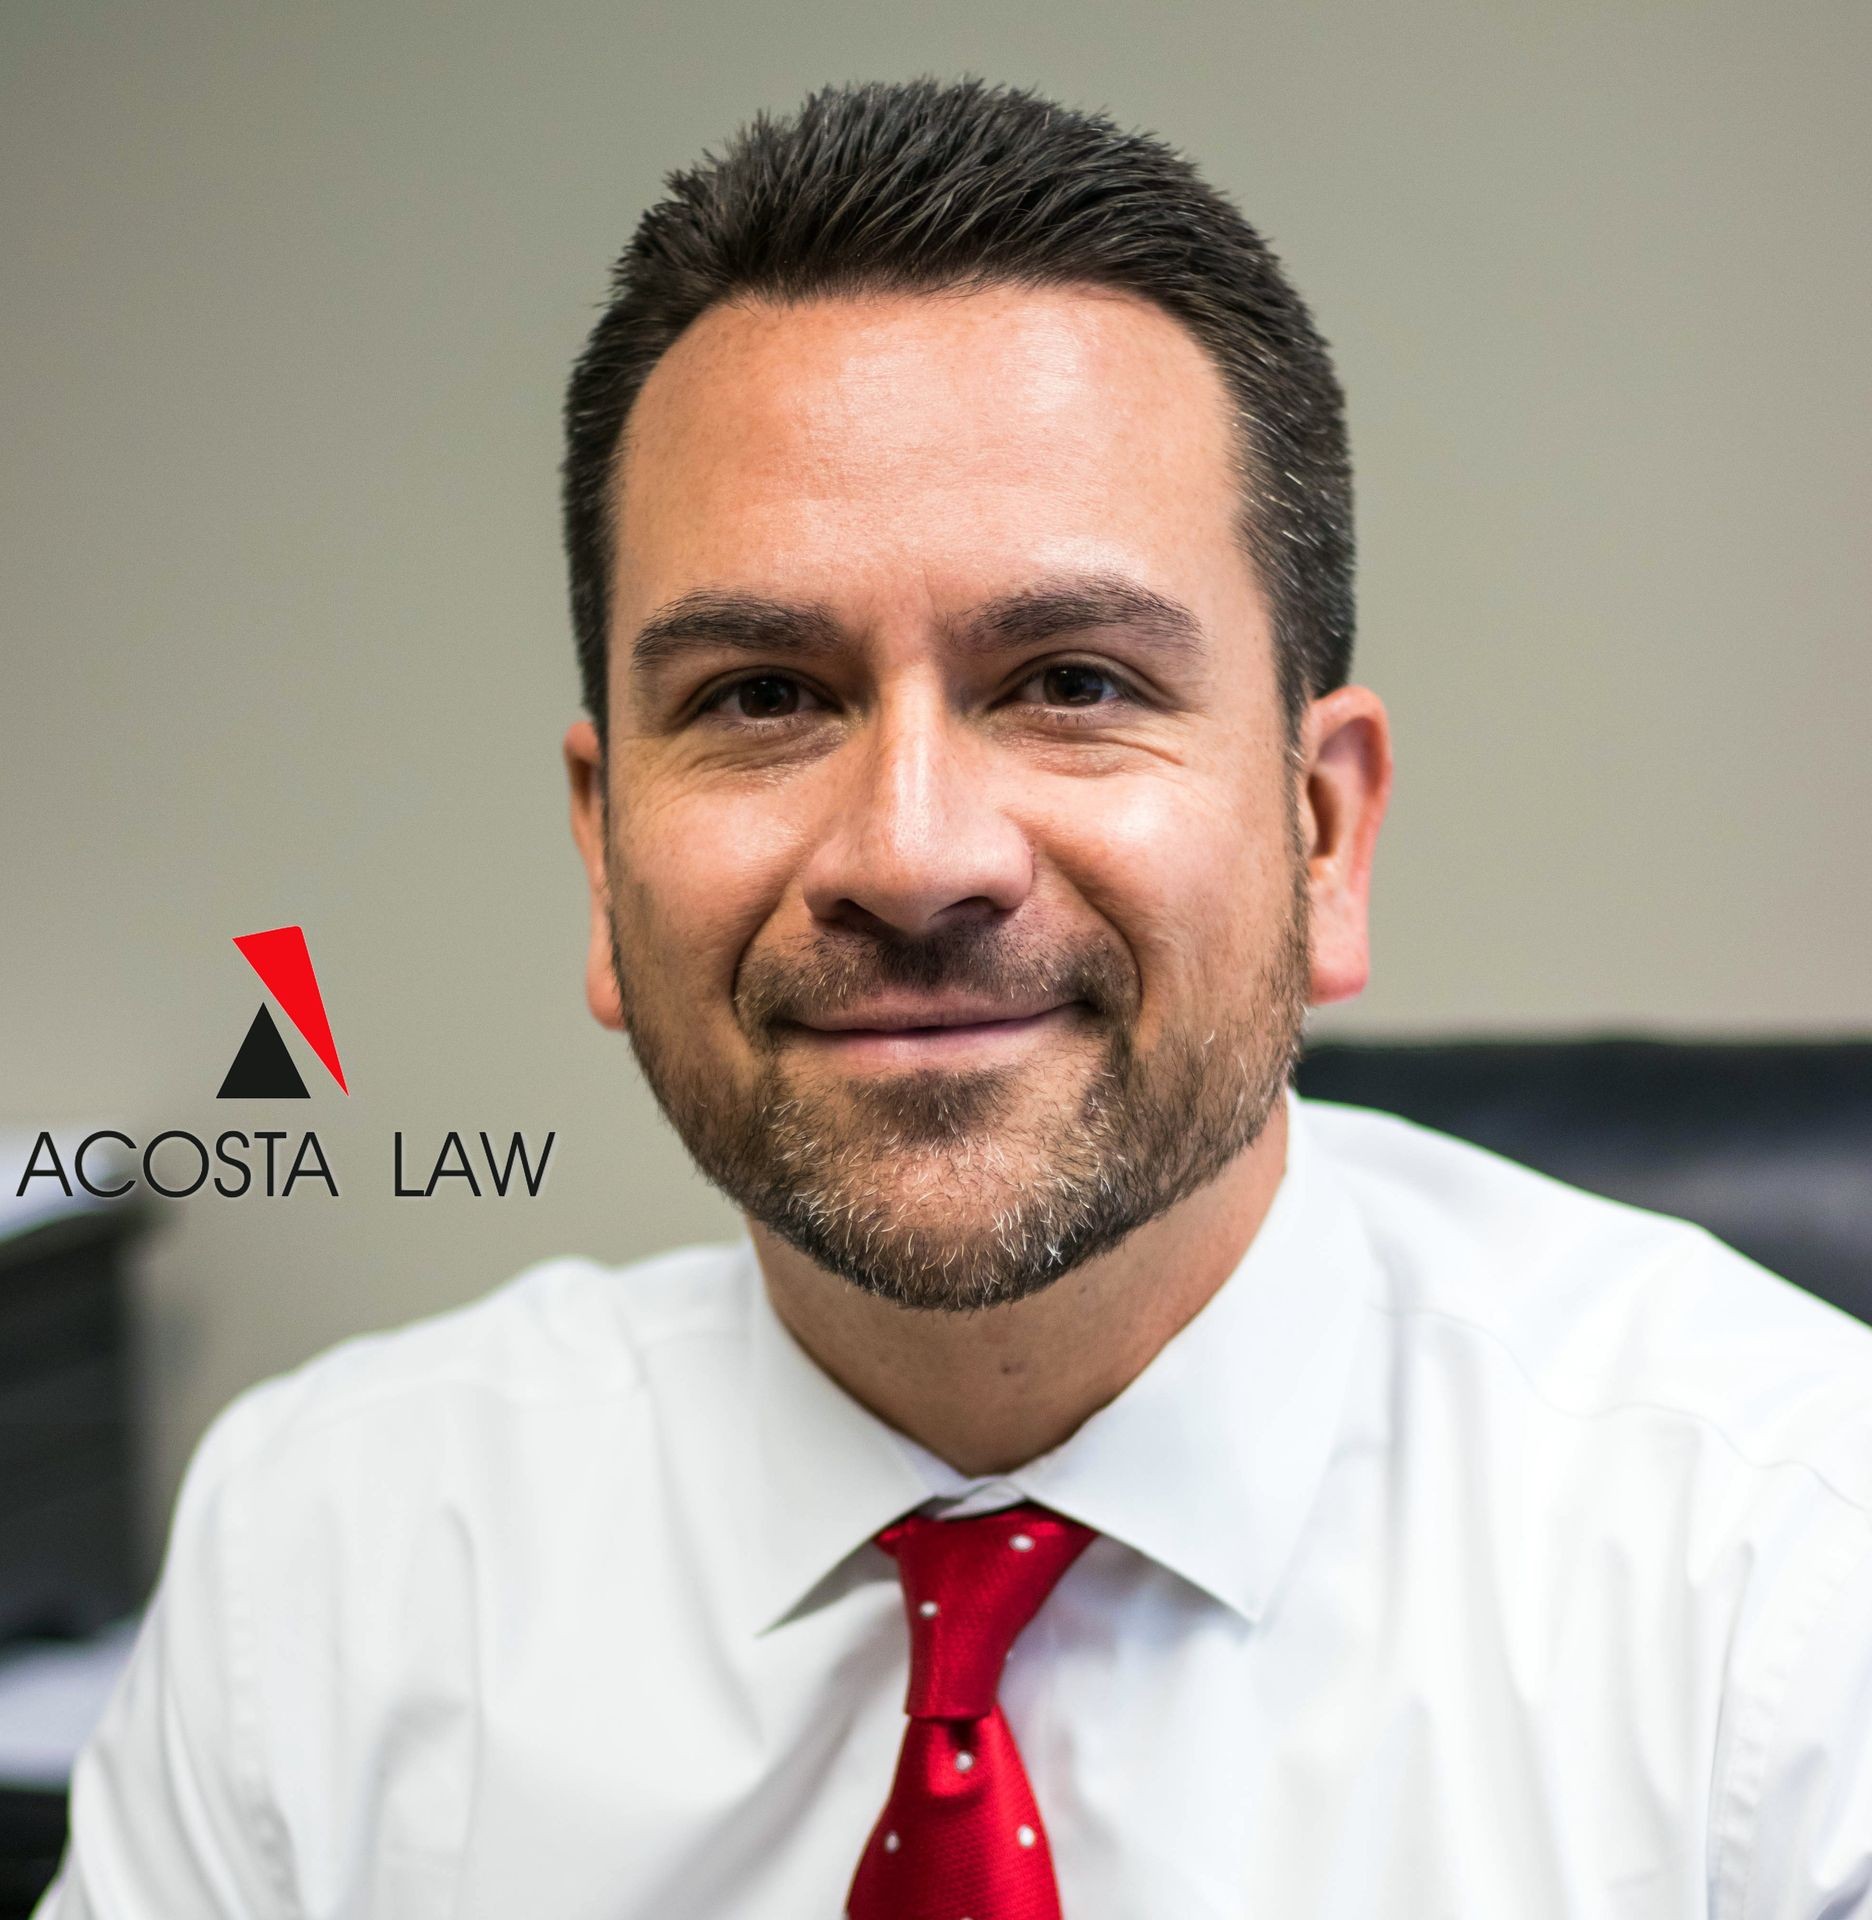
[{"x": 956, "y": 1189}]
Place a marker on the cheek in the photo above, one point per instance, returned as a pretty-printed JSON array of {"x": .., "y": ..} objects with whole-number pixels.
[
  {"x": 698, "y": 876},
  {"x": 1193, "y": 875}
]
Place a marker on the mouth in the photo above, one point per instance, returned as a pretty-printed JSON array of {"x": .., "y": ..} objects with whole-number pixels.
[{"x": 903, "y": 1035}]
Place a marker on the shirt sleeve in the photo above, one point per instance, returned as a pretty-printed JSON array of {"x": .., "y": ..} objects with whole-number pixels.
[
  {"x": 169, "y": 1814},
  {"x": 1799, "y": 1806}
]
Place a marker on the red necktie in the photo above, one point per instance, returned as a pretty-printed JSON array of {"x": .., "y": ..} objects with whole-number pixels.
[{"x": 960, "y": 1837}]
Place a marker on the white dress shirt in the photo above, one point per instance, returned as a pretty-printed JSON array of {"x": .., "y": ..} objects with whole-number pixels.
[{"x": 1481, "y": 1549}]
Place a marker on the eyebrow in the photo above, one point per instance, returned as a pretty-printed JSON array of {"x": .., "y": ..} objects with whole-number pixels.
[
  {"x": 742, "y": 622},
  {"x": 1081, "y": 603},
  {"x": 709, "y": 620}
]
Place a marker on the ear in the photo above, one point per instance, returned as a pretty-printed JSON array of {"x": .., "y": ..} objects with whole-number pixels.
[
  {"x": 1345, "y": 784},
  {"x": 585, "y": 769}
]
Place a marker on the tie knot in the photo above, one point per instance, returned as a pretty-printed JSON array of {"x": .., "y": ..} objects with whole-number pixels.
[{"x": 969, "y": 1588}]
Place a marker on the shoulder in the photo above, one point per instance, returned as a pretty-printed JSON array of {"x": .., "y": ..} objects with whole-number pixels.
[
  {"x": 1661, "y": 1442},
  {"x": 565, "y": 1336},
  {"x": 352, "y": 1510},
  {"x": 1597, "y": 1308},
  {"x": 345, "y": 1532}
]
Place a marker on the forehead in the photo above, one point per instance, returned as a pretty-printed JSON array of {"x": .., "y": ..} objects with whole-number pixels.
[{"x": 971, "y": 437}]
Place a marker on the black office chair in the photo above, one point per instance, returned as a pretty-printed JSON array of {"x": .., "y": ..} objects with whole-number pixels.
[{"x": 1768, "y": 1144}]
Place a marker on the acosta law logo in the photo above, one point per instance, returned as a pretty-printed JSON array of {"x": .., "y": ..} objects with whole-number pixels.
[{"x": 263, "y": 1068}]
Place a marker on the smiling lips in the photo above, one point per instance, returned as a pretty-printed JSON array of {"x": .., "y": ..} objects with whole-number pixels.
[{"x": 905, "y": 1030}]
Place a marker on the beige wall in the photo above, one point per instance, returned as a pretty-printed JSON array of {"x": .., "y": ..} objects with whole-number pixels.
[{"x": 291, "y": 293}]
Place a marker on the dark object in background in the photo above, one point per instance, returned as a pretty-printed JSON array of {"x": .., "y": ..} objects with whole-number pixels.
[
  {"x": 1766, "y": 1143},
  {"x": 32, "y": 1837},
  {"x": 67, "y": 1467},
  {"x": 67, "y": 1541}
]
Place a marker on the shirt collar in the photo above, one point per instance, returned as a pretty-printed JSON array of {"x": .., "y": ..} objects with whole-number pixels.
[
  {"x": 1208, "y": 1462},
  {"x": 829, "y": 1474}
]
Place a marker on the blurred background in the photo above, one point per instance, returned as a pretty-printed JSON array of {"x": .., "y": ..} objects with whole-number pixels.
[{"x": 291, "y": 294}]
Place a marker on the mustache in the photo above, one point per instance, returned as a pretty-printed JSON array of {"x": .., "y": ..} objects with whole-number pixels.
[{"x": 843, "y": 971}]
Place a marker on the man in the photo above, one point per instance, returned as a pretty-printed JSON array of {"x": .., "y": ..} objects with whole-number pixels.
[{"x": 1098, "y": 1484}]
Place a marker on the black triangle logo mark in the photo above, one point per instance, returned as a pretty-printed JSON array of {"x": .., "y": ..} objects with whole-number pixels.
[{"x": 263, "y": 1069}]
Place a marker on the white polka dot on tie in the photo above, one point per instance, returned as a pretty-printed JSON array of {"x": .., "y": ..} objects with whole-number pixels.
[
  {"x": 892, "y": 1843},
  {"x": 963, "y": 1761},
  {"x": 1026, "y": 1836},
  {"x": 928, "y": 1609},
  {"x": 1021, "y": 1542}
]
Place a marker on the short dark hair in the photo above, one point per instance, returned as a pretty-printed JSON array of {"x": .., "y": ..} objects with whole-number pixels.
[{"x": 925, "y": 186}]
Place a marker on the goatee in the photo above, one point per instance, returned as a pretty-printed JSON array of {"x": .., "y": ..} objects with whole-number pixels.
[{"x": 947, "y": 1189}]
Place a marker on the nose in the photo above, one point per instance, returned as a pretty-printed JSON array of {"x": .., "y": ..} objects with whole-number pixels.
[{"x": 917, "y": 837}]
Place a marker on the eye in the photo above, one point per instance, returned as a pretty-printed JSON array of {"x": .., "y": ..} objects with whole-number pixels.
[
  {"x": 1073, "y": 683},
  {"x": 761, "y": 696}
]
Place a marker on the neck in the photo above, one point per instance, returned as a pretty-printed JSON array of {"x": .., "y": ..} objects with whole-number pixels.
[{"x": 991, "y": 1390}]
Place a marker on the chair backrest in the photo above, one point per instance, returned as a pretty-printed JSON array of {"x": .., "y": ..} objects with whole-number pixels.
[{"x": 1766, "y": 1143}]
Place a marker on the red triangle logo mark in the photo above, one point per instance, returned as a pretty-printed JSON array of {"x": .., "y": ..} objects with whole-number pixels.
[{"x": 281, "y": 960}]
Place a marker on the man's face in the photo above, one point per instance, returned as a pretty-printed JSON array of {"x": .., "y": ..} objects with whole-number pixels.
[{"x": 951, "y": 887}]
